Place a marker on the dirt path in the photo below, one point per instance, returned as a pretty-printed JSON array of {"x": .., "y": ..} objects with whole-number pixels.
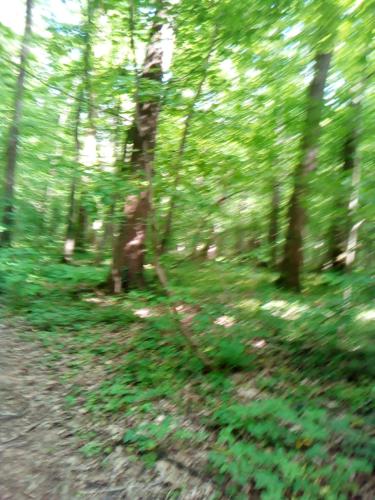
[
  {"x": 39, "y": 446},
  {"x": 39, "y": 458}
]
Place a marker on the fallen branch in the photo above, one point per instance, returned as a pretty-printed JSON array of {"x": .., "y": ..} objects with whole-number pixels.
[{"x": 31, "y": 428}]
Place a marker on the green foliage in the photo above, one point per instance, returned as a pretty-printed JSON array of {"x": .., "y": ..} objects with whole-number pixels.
[
  {"x": 287, "y": 409},
  {"x": 148, "y": 436},
  {"x": 305, "y": 429},
  {"x": 284, "y": 447},
  {"x": 91, "y": 449}
]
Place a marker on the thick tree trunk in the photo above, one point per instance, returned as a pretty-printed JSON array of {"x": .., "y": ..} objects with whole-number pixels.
[
  {"x": 129, "y": 249},
  {"x": 273, "y": 230},
  {"x": 13, "y": 139},
  {"x": 292, "y": 263},
  {"x": 128, "y": 256}
]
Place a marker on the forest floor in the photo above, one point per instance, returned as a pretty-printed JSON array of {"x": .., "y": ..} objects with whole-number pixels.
[
  {"x": 40, "y": 438},
  {"x": 101, "y": 396}
]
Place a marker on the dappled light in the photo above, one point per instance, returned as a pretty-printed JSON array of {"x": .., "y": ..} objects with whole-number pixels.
[
  {"x": 284, "y": 309},
  {"x": 365, "y": 316},
  {"x": 187, "y": 249}
]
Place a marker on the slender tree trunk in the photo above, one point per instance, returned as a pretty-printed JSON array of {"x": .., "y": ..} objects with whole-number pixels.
[
  {"x": 87, "y": 79},
  {"x": 82, "y": 215},
  {"x": 70, "y": 237},
  {"x": 107, "y": 238},
  {"x": 181, "y": 150},
  {"x": 347, "y": 198},
  {"x": 129, "y": 249},
  {"x": 352, "y": 239},
  {"x": 70, "y": 242},
  {"x": 292, "y": 263},
  {"x": 273, "y": 230},
  {"x": 13, "y": 139},
  {"x": 81, "y": 226}
]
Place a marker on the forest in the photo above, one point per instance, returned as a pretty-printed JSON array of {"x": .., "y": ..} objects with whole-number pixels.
[{"x": 187, "y": 249}]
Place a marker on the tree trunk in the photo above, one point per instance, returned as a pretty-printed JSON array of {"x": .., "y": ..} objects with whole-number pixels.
[
  {"x": 70, "y": 241},
  {"x": 273, "y": 231},
  {"x": 128, "y": 256},
  {"x": 129, "y": 249},
  {"x": 107, "y": 238},
  {"x": 93, "y": 153},
  {"x": 81, "y": 226},
  {"x": 13, "y": 139},
  {"x": 341, "y": 226},
  {"x": 292, "y": 263},
  {"x": 352, "y": 238}
]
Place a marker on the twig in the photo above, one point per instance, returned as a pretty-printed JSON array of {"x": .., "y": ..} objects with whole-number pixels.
[{"x": 32, "y": 427}]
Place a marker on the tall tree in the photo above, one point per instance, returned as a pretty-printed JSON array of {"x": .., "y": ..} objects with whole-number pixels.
[
  {"x": 70, "y": 236},
  {"x": 14, "y": 132},
  {"x": 346, "y": 198},
  {"x": 292, "y": 262},
  {"x": 128, "y": 256},
  {"x": 273, "y": 229},
  {"x": 82, "y": 216},
  {"x": 77, "y": 217}
]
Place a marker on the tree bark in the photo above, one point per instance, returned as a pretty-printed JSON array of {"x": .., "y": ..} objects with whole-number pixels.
[
  {"x": 81, "y": 226},
  {"x": 273, "y": 230},
  {"x": 13, "y": 139},
  {"x": 129, "y": 249},
  {"x": 292, "y": 262},
  {"x": 342, "y": 228},
  {"x": 352, "y": 238},
  {"x": 82, "y": 215},
  {"x": 70, "y": 237}
]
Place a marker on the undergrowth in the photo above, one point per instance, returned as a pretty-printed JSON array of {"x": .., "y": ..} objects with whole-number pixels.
[{"x": 287, "y": 413}]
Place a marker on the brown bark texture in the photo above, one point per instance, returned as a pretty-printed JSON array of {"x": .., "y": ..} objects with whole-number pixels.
[
  {"x": 341, "y": 226},
  {"x": 70, "y": 235},
  {"x": 292, "y": 262},
  {"x": 14, "y": 132},
  {"x": 129, "y": 249},
  {"x": 273, "y": 230}
]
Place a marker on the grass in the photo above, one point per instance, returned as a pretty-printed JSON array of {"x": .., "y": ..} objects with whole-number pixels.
[{"x": 287, "y": 413}]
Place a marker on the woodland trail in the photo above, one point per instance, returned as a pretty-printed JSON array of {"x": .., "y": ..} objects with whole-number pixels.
[{"x": 39, "y": 445}]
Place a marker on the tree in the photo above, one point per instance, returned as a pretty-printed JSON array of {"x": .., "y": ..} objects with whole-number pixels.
[
  {"x": 128, "y": 257},
  {"x": 70, "y": 237},
  {"x": 291, "y": 265},
  {"x": 77, "y": 216},
  {"x": 14, "y": 132}
]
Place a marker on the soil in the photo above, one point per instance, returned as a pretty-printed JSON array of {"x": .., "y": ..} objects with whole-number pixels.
[{"x": 40, "y": 456}]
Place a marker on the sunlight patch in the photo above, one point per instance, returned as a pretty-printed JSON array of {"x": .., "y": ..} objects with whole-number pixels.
[
  {"x": 225, "y": 321},
  {"x": 250, "y": 304},
  {"x": 144, "y": 313},
  {"x": 366, "y": 315},
  {"x": 282, "y": 309}
]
